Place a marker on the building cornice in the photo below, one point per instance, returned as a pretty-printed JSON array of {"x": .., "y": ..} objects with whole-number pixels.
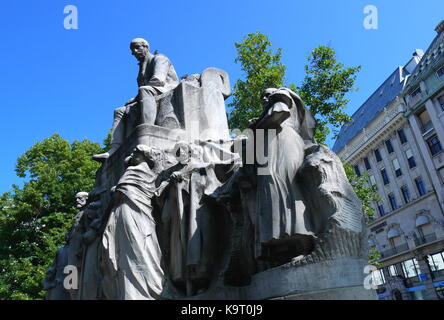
[
  {"x": 428, "y": 94},
  {"x": 371, "y": 138}
]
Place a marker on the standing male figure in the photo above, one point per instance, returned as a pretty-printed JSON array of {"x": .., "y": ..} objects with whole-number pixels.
[{"x": 156, "y": 76}]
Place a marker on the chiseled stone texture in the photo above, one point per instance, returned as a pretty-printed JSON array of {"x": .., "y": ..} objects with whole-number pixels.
[
  {"x": 335, "y": 268},
  {"x": 339, "y": 279},
  {"x": 167, "y": 229}
]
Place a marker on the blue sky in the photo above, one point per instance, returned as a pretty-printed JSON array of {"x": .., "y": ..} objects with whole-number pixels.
[{"x": 69, "y": 82}]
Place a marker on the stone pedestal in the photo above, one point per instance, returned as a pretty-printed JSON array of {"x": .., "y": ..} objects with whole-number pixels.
[{"x": 340, "y": 279}]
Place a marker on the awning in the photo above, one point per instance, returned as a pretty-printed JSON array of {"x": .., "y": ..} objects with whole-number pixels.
[
  {"x": 421, "y": 220},
  {"x": 393, "y": 233}
]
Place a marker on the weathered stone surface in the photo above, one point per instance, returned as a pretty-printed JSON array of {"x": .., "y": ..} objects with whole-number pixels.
[
  {"x": 176, "y": 214},
  {"x": 338, "y": 279},
  {"x": 131, "y": 255}
]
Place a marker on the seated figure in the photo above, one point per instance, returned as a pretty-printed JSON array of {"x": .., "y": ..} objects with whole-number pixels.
[{"x": 156, "y": 77}]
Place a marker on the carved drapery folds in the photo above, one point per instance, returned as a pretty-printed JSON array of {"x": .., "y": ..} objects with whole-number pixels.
[{"x": 176, "y": 212}]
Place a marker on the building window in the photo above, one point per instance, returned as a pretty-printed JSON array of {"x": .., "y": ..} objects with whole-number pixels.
[
  {"x": 393, "y": 272},
  {"x": 402, "y": 136},
  {"x": 357, "y": 171},
  {"x": 378, "y": 155},
  {"x": 436, "y": 264},
  {"x": 389, "y": 146},
  {"x": 426, "y": 122},
  {"x": 372, "y": 179},
  {"x": 405, "y": 194},
  {"x": 392, "y": 201},
  {"x": 398, "y": 171},
  {"x": 441, "y": 174},
  {"x": 436, "y": 261},
  {"x": 378, "y": 277},
  {"x": 381, "y": 209},
  {"x": 385, "y": 176},
  {"x": 410, "y": 159},
  {"x": 440, "y": 72},
  {"x": 434, "y": 145},
  {"x": 441, "y": 102},
  {"x": 420, "y": 186},
  {"x": 367, "y": 163},
  {"x": 410, "y": 268},
  {"x": 416, "y": 92}
]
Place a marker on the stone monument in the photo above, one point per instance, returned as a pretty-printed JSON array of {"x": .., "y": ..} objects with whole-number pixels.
[{"x": 181, "y": 209}]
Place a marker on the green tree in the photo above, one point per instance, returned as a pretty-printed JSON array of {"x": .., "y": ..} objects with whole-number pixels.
[
  {"x": 367, "y": 193},
  {"x": 374, "y": 257},
  {"x": 364, "y": 189},
  {"x": 324, "y": 88},
  {"x": 263, "y": 69},
  {"x": 35, "y": 217}
]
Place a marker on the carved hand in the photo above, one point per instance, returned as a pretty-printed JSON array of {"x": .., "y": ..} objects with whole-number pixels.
[
  {"x": 252, "y": 122},
  {"x": 176, "y": 176}
]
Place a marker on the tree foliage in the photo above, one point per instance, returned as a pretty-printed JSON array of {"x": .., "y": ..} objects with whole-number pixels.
[
  {"x": 324, "y": 88},
  {"x": 263, "y": 69},
  {"x": 374, "y": 257},
  {"x": 365, "y": 191},
  {"x": 368, "y": 194},
  {"x": 35, "y": 217}
]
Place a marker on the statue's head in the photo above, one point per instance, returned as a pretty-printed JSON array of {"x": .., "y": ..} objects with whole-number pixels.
[
  {"x": 81, "y": 199},
  {"x": 181, "y": 152},
  {"x": 140, "y": 154},
  {"x": 143, "y": 153},
  {"x": 140, "y": 48},
  {"x": 307, "y": 123},
  {"x": 265, "y": 95}
]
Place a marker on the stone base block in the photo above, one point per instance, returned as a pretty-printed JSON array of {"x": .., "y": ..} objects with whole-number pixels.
[
  {"x": 341, "y": 279},
  {"x": 346, "y": 293}
]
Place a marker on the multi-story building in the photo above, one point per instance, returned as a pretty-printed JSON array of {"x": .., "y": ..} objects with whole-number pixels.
[{"x": 394, "y": 138}]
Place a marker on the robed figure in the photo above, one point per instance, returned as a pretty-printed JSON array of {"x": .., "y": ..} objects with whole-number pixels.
[
  {"x": 282, "y": 222},
  {"x": 189, "y": 219},
  {"x": 132, "y": 256}
]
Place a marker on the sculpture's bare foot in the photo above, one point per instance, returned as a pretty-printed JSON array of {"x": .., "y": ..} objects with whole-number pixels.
[{"x": 101, "y": 157}]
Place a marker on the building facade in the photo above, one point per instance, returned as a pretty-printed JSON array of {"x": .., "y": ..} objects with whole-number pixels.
[{"x": 395, "y": 138}]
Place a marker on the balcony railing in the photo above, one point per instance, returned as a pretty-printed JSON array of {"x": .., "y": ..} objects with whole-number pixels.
[
  {"x": 425, "y": 239},
  {"x": 395, "y": 250}
]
